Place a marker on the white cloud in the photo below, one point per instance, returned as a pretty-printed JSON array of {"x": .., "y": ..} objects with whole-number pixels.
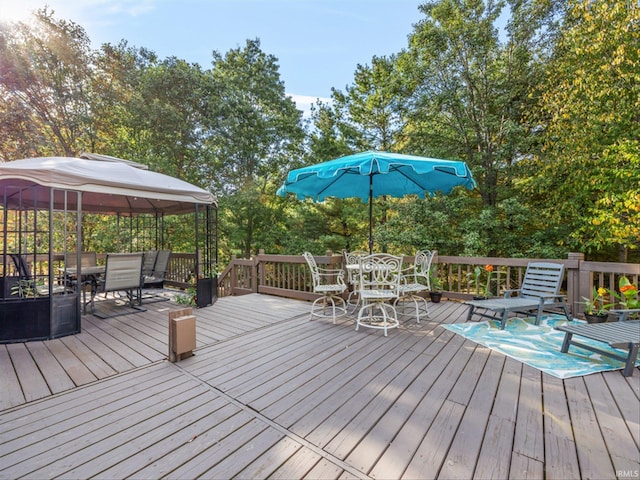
[{"x": 304, "y": 102}]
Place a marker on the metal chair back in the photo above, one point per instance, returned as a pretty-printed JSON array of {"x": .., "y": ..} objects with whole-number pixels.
[
  {"x": 123, "y": 271},
  {"x": 149, "y": 262},
  {"x": 380, "y": 275},
  {"x": 87, "y": 259}
]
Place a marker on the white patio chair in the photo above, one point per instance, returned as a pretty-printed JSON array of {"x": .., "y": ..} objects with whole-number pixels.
[
  {"x": 352, "y": 266},
  {"x": 415, "y": 280},
  {"x": 330, "y": 284},
  {"x": 379, "y": 278}
]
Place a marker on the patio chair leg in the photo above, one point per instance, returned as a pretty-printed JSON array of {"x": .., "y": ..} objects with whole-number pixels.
[
  {"x": 631, "y": 360},
  {"x": 470, "y": 313},
  {"x": 335, "y": 309},
  {"x": 389, "y": 319},
  {"x": 505, "y": 316},
  {"x": 566, "y": 342},
  {"x": 418, "y": 302}
]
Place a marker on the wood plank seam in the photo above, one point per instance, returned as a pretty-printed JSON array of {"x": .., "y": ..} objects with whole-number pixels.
[{"x": 337, "y": 461}]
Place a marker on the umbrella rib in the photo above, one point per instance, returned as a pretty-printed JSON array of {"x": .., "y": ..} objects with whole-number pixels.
[
  {"x": 335, "y": 179},
  {"x": 397, "y": 169}
]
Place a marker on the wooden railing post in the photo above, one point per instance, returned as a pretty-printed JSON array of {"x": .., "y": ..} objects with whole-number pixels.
[
  {"x": 258, "y": 271},
  {"x": 234, "y": 275},
  {"x": 576, "y": 283}
]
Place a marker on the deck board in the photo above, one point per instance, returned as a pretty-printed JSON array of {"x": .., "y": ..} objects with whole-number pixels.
[
  {"x": 56, "y": 377},
  {"x": 610, "y": 424},
  {"x": 33, "y": 384},
  {"x": 270, "y": 393},
  {"x": 105, "y": 353},
  {"x": 528, "y": 438},
  {"x": 500, "y": 431},
  {"x": 297, "y": 465},
  {"x": 96, "y": 365},
  {"x": 367, "y": 449},
  {"x": 76, "y": 428},
  {"x": 75, "y": 368},
  {"x": 561, "y": 460},
  {"x": 203, "y": 409},
  {"x": 595, "y": 461},
  {"x": 11, "y": 393},
  {"x": 464, "y": 450}
]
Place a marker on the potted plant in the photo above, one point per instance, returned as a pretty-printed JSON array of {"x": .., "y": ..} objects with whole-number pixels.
[
  {"x": 595, "y": 308},
  {"x": 436, "y": 286}
]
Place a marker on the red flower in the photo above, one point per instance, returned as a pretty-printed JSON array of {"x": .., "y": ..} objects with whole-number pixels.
[{"x": 627, "y": 288}]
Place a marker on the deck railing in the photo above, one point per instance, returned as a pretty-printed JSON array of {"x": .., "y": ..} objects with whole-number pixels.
[{"x": 288, "y": 275}]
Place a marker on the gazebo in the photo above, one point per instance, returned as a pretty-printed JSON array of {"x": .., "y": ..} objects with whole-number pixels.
[{"x": 43, "y": 202}]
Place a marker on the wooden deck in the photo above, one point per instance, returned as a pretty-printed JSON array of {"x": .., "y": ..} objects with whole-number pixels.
[{"x": 270, "y": 394}]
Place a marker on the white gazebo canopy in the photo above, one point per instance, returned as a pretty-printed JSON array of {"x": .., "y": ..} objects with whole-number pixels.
[{"x": 108, "y": 185}]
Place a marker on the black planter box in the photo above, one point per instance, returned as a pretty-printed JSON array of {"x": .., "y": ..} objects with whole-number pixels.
[
  {"x": 24, "y": 319},
  {"x": 39, "y": 318},
  {"x": 206, "y": 291},
  {"x": 6, "y": 284}
]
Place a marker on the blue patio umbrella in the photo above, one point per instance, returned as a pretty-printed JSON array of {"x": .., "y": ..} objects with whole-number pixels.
[{"x": 370, "y": 174}]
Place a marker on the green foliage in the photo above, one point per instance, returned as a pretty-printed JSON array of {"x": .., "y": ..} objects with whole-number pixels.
[
  {"x": 371, "y": 109},
  {"x": 256, "y": 137},
  {"x": 470, "y": 88},
  {"x": 587, "y": 174},
  {"x": 596, "y": 304},
  {"x": 188, "y": 298}
]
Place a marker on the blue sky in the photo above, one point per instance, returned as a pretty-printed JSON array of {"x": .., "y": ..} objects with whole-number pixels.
[{"x": 318, "y": 43}]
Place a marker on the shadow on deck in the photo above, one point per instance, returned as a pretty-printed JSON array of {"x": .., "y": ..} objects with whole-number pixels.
[{"x": 270, "y": 394}]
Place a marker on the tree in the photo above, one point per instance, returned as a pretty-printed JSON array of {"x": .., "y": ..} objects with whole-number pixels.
[
  {"x": 45, "y": 88},
  {"x": 256, "y": 135},
  {"x": 470, "y": 88},
  {"x": 371, "y": 108},
  {"x": 588, "y": 115},
  {"x": 369, "y": 115},
  {"x": 459, "y": 91},
  {"x": 120, "y": 125},
  {"x": 170, "y": 108}
]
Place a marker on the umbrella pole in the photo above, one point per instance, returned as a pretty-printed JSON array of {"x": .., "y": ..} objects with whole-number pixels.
[{"x": 370, "y": 214}]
